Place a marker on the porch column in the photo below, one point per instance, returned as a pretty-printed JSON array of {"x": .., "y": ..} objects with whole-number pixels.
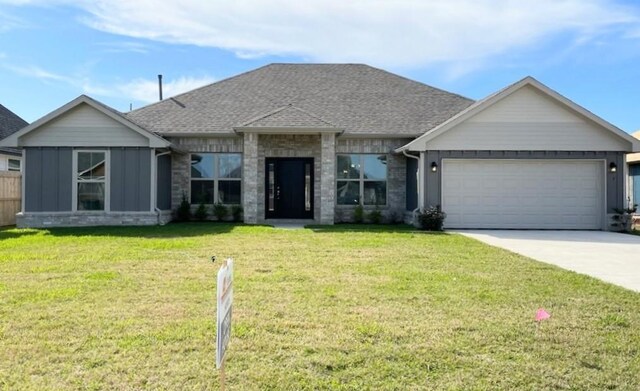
[
  {"x": 250, "y": 178},
  {"x": 327, "y": 178}
]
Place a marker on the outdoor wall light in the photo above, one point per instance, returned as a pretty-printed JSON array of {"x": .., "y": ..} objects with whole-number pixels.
[
  {"x": 434, "y": 167},
  {"x": 613, "y": 167}
]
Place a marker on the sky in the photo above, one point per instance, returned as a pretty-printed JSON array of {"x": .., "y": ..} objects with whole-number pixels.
[{"x": 51, "y": 51}]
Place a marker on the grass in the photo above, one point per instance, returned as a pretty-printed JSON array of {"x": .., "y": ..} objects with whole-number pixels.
[{"x": 347, "y": 307}]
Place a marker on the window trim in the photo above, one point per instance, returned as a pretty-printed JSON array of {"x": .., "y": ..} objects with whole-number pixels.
[
  {"x": 216, "y": 179},
  {"x": 107, "y": 181},
  {"x": 9, "y": 164},
  {"x": 361, "y": 180}
]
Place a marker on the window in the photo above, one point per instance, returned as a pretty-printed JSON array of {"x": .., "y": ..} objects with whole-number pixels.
[
  {"x": 90, "y": 180},
  {"x": 361, "y": 179},
  {"x": 14, "y": 165},
  {"x": 216, "y": 178}
]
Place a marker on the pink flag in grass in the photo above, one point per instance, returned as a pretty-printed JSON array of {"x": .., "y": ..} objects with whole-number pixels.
[{"x": 542, "y": 315}]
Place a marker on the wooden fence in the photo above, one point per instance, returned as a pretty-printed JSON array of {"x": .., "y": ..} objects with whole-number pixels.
[{"x": 10, "y": 196}]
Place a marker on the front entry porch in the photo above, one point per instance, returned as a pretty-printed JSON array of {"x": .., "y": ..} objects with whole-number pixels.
[
  {"x": 289, "y": 188},
  {"x": 289, "y": 175}
]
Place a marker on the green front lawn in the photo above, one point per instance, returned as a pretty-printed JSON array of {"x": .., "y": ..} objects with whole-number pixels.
[{"x": 348, "y": 307}]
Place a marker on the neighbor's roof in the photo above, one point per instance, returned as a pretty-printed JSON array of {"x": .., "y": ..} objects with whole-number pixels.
[
  {"x": 9, "y": 124},
  {"x": 356, "y": 98}
]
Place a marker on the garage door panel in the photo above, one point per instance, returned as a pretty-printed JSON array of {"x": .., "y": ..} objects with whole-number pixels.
[{"x": 543, "y": 194}]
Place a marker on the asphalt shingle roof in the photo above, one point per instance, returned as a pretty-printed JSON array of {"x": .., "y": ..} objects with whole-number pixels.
[
  {"x": 357, "y": 98},
  {"x": 9, "y": 124},
  {"x": 288, "y": 116}
]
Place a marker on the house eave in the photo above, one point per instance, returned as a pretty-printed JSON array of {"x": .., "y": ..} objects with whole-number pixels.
[
  {"x": 377, "y": 135},
  {"x": 198, "y": 134},
  {"x": 10, "y": 152}
]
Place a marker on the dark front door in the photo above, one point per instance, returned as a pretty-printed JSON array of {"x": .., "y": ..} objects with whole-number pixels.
[{"x": 289, "y": 188}]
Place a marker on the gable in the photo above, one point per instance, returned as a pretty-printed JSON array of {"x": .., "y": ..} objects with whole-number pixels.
[
  {"x": 527, "y": 104},
  {"x": 84, "y": 126},
  {"x": 528, "y": 119}
]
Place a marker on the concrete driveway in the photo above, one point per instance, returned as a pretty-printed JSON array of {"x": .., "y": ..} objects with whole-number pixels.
[{"x": 608, "y": 256}]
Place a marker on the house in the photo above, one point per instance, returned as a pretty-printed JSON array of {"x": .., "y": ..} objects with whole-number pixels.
[
  {"x": 633, "y": 160},
  {"x": 314, "y": 141},
  {"x": 10, "y": 158}
]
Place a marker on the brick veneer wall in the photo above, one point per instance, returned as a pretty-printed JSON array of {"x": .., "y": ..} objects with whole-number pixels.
[
  {"x": 180, "y": 163},
  {"x": 322, "y": 148},
  {"x": 86, "y": 219},
  {"x": 396, "y": 174}
]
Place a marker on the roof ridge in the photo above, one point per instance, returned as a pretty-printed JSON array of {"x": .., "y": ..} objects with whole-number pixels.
[
  {"x": 281, "y": 109},
  {"x": 262, "y": 116},
  {"x": 311, "y": 114},
  {"x": 320, "y": 63},
  {"x": 419, "y": 82}
]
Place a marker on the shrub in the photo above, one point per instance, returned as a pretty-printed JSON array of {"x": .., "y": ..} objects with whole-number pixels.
[
  {"x": 236, "y": 212},
  {"x": 220, "y": 211},
  {"x": 201, "y": 213},
  {"x": 432, "y": 218},
  {"x": 358, "y": 214},
  {"x": 623, "y": 218},
  {"x": 393, "y": 217},
  {"x": 375, "y": 216},
  {"x": 183, "y": 213}
]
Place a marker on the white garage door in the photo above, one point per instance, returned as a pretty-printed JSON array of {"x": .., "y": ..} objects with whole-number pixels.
[{"x": 528, "y": 194}]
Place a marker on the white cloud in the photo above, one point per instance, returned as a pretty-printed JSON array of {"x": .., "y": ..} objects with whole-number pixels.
[
  {"x": 11, "y": 22},
  {"x": 39, "y": 73},
  {"x": 141, "y": 90},
  {"x": 125, "y": 47},
  {"x": 405, "y": 33},
  {"x": 634, "y": 33}
]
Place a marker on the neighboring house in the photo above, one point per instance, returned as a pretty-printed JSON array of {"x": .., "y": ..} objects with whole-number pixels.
[
  {"x": 10, "y": 158},
  {"x": 311, "y": 142},
  {"x": 633, "y": 160}
]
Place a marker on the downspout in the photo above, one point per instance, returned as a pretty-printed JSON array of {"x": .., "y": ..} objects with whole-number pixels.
[
  {"x": 23, "y": 183},
  {"x": 155, "y": 207},
  {"x": 417, "y": 209}
]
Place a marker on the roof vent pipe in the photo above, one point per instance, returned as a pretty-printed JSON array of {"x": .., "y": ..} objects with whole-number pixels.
[{"x": 160, "y": 86}]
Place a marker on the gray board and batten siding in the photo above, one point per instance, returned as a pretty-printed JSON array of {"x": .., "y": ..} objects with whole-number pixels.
[
  {"x": 163, "y": 199},
  {"x": 130, "y": 179},
  {"x": 49, "y": 179},
  {"x": 614, "y": 180}
]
